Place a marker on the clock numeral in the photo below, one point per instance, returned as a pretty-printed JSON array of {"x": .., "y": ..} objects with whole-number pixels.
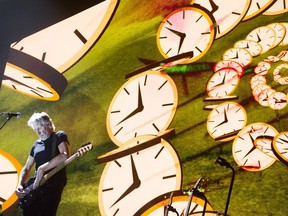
[
  {"x": 169, "y": 176},
  {"x": 159, "y": 152},
  {"x": 162, "y": 84},
  {"x": 118, "y": 164},
  {"x": 168, "y": 51},
  {"x": 145, "y": 80},
  {"x": 168, "y": 104},
  {"x": 156, "y": 127},
  {"x": 107, "y": 189},
  {"x": 80, "y": 36},
  {"x": 118, "y": 131},
  {"x": 2, "y": 200},
  {"x": 126, "y": 91},
  {"x": 43, "y": 56},
  {"x": 235, "y": 13},
  {"x": 116, "y": 111}
]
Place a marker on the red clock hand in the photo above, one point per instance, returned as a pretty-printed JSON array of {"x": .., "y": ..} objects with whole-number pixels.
[{"x": 136, "y": 182}]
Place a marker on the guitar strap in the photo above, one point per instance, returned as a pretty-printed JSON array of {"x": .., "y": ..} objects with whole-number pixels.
[{"x": 53, "y": 145}]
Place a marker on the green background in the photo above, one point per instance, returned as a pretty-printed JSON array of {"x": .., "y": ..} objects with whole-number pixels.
[{"x": 93, "y": 81}]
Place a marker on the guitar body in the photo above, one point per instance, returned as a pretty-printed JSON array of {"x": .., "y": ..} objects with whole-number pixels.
[{"x": 33, "y": 195}]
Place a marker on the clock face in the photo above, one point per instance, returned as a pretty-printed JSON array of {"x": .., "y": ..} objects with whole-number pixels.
[
  {"x": 263, "y": 35},
  {"x": 245, "y": 152},
  {"x": 242, "y": 56},
  {"x": 280, "y": 31},
  {"x": 145, "y": 104},
  {"x": 284, "y": 42},
  {"x": 228, "y": 14},
  {"x": 265, "y": 145},
  {"x": 177, "y": 200},
  {"x": 126, "y": 184},
  {"x": 263, "y": 97},
  {"x": 63, "y": 44},
  {"x": 252, "y": 47},
  {"x": 257, "y": 7},
  {"x": 226, "y": 120},
  {"x": 280, "y": 146},
  {"x": 229, "y": 64},
  {"x": 222, "y": 83},
  {"x": 278, "y": 7},
  {"x": 188, "y": 29},
  {"x": 258, "y": 89},
  {"x": 277, "y": 100},
  {"x": 30, "y": 76},
  {"x": 9, "y": 177}
]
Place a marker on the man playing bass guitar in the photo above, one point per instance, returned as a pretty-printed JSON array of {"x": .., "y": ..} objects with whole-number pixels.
[{"x": 47, "y": 152}]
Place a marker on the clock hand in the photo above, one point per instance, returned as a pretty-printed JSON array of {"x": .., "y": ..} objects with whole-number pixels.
[
  {"x": 136, "y": 183},
  {"x": 236, "y": 57},
  {"x": 139, "y": 108},
  {"x": 253, "y": 148},
  {"x": 225, "y": 119},
  {"x": 283, "y": 140},
  {"x": 258, "y": 37},
  {"x": 181, "y": 35},
  {"x": 214, "y": 6},
  {"x": 18, "y": 82}
]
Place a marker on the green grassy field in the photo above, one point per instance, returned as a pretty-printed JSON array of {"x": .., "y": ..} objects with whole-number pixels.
[{"x": 94, "y": 80}]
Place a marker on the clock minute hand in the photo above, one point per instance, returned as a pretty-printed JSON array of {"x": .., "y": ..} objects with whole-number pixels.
[
  {"x": 253, "y": 148},
  {"x": 139, "y": 108},
  {"x": 181, "y": 35},
  {"x": 225, "y": 119},
  {"x": 136, "y": 183}
]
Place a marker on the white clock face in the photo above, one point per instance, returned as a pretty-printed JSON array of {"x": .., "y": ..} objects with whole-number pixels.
[
  {"x": 246, "y": 154},
  {"x": 222, "y": 83},
  {"x": 28, "y": 75},
  {"x": 9, "y": 177},
  {"x": 145, "y": 104},
  {"x": 284, "y": 42},
  {"x": 278, "y": 7},
  {"x": 252, "y": 47},
  {"x": 280, "y": 31},
  {"x": 185, "y": 30},
  {"x": 229, "y": 64},
  {"x": 177, "y": 200},
  {"x": 226, "y": 13},
  {"x": 263, "y": 35},
  {"x": 242, "y": 56},
  {"x": 263, "y": 97},
  {"x": 277, "y": 100},
  {"x": 280, "y": 146},
  {"x": 226, "y": 120},
  {"x": 63, "y": 44},
  {"x": 257, "y": 7},
  {"x": 126, "y": 184}
]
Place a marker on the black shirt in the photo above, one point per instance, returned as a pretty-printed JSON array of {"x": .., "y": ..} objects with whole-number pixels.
[{"x": 41, "y": 151}]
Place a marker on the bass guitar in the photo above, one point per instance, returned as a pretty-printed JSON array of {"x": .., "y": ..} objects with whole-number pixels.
[{"x": 32, "y": 195}]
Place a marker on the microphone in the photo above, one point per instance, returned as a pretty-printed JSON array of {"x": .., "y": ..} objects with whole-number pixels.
[{"x": 10, "y": 114}]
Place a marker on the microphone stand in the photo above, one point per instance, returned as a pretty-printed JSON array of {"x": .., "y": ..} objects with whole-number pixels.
[
  {"x": 7, "y": 119},
  {"x": 191, "y": 195},
  {"x": 168, "y": 207},
  {"x": 223, "y": 162}
]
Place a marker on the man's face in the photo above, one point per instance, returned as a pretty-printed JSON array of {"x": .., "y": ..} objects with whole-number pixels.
[{"x": 42, "y": 131}]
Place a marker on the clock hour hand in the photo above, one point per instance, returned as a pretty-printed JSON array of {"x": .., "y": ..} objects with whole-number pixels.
[
  {"x": 253, "y": 148},
  {"x": 136, "y": 182},
  {"x": 139, "y": 108},
  {"x": 225, "y": 119},
  {"x": 222, "y": 82},
  {"x": 181, "y": 35}
]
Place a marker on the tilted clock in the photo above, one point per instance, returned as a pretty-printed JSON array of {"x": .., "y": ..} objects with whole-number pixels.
[
  {"x": 187, "y": 29},
  {"x": 9, "y": 177},
  {"x": 144, "y": 104},
  {"x": 227, "y": 14},
  {"x": 127, "y": 183},
  {"x": 64, "y": 43}
]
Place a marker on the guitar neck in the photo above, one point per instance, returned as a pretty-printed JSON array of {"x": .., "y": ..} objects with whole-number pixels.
[{"x": 58, "y": 168}]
